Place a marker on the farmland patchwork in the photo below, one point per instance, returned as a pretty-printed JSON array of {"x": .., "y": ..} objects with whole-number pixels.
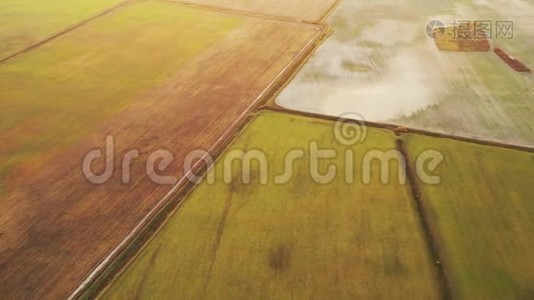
[{"x": 305, "y": 199}]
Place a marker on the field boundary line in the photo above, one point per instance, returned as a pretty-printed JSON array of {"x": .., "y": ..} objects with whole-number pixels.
[
  {"x": 153, "y": 226},
  {"x": 217, "y": 243},
  {"x": 272, "y": 106},
  {"x": 242, "y": 12},
  {"x": 431, "y": 233},
  {"x": 64, "y": 31},
  {"x": 330, "y": 11},
  {"x": 271, "y": 101},
  {"x": 104, "y": 274}
]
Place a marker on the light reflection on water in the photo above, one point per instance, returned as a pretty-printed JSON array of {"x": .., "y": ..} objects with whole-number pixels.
[
  {"x": 380, "y": 63},
  {"x": 376, "y": 67}
]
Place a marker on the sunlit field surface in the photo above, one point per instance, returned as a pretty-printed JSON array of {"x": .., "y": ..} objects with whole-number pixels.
[
  {"x": 26, "y": 22},
  {"x": 52, "y": 98},
  {"x": 200, "y": 78},
  {"x": 484, "y": 211},
  {"x": 305, "y": 10},
  {"x": 301, "y": 238}
]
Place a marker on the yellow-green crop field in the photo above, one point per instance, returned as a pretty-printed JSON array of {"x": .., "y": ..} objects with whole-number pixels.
[
  {"x": 484, "y": 212},
  {"x": 69, "y": 87},
  {"x": 304, "y": 239},
  {"x": 26, "y": 22},
  {"x": 300, "y": 239}
]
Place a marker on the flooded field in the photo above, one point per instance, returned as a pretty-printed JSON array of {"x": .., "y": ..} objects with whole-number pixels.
[{"x": 381, "y": 63}]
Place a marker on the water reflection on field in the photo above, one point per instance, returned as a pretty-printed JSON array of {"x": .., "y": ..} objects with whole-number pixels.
[{"x": 380, "y": 63}]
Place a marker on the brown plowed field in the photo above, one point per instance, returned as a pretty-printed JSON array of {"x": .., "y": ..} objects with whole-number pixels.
[{"x": 55, "y": 226}]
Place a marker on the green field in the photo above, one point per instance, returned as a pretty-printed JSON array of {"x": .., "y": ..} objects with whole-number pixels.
[
  {"x": 484, "y": 211},
  {"x": 300, "y": 239},
  {"x": 70, "y": 86},
  {"x": 26, "y": 22}
]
